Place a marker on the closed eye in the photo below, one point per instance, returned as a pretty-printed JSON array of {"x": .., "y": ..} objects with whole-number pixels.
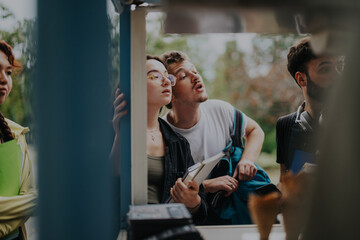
[{"x": 182, "y": 76}]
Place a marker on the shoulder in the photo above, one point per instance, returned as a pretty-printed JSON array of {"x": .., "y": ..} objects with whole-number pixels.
[
  {"x": 218, "y": 108},
  {"x": 19, "y": 132},
  {"x": 216, "y": 104},
  {"x": 168, "y": 133},
  {"x": 287, "y": 119},
  {"x": 17, "y": 129},
  {"x": 284, "y": 125}
]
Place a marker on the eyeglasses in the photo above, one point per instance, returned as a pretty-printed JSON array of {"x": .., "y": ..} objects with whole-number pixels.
[
  {"x": 159, "y": 78},
  {"x": 340, "y": 65}
]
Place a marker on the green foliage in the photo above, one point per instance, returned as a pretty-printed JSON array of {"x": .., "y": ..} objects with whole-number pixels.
[
  {"x": 269, "y": 145},
  {"x": 158, "y": 43},
  {"x": 5, "y": 13},
  {"x": 114, "y": 31},
  {"x": 256, "y": 81}
]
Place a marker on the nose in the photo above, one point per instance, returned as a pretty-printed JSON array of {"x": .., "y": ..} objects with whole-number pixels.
[
  {"x": 194, "y": 77},
  {"x": 166, "y": 81},
  {"x": 3, "y": 77}
]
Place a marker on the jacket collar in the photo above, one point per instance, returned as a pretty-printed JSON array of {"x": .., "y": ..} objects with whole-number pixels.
[
  {"x": 168, "y": 133},
  {"x": 17, "y": 129}
]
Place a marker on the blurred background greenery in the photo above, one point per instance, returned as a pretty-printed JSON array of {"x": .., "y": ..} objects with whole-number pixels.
[
  {"x": 247, "y": 70},
  {"x": 20, "y": 33}
]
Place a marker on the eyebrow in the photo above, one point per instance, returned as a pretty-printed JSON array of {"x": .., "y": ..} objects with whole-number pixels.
[
  {"x": 152, "y": 71},
  {"x": 7, "y": 65},
  {"x": 180, "y": 69},
  {"x": 325, "y": 63}
]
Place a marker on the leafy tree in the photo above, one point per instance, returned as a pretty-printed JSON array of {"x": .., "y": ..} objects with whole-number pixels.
[
  {"x": 158, "y": 43},
  {"x": 258, "y": 82},
  {"x": 114, "y": 31}
]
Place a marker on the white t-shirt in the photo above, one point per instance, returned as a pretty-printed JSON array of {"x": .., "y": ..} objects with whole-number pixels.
[{"x": 213, "y": 131}]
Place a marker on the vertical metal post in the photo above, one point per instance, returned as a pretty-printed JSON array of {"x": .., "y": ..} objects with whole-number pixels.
[
  {"x": 73, "y": 114},
  {"x": 139, "y": 107},
  {"x": 125, "y": 122}
]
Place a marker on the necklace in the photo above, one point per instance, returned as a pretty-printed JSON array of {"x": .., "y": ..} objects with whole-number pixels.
[{"x": 152, "y": 132}]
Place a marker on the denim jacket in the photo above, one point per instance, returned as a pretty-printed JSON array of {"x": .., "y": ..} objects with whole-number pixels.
[{"x": 177, "y": 160}]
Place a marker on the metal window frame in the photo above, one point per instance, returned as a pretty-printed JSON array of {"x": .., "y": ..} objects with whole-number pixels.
[{"x": 133, "y": 163}]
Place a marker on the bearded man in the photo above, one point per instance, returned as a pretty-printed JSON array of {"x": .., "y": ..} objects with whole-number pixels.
[{"x": 296, "y": 132}]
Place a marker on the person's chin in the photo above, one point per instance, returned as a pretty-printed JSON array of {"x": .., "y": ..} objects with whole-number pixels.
[
  {"x": 203, "y": 97},
  {"x": 166, "y": 101}
]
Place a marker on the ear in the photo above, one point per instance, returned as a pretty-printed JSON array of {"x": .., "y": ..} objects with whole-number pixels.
[{"x": 301, "y": 79}]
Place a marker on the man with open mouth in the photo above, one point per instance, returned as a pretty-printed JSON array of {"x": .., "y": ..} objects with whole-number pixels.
[{"x": 207, "y": 125}]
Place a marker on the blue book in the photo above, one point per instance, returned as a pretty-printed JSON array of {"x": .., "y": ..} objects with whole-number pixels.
[{"x": 299, "y": 159}]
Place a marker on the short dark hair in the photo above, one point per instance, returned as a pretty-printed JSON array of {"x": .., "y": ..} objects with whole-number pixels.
[
  {"x": 298, "y": 56},
  {"x": 173, "y": 56},
  {"x": 149, "y": 57}
]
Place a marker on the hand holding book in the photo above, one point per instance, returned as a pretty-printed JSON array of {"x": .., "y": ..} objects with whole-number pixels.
[
  {"x": 186, "y": 194},
  {"x": 199, "y": 172}
]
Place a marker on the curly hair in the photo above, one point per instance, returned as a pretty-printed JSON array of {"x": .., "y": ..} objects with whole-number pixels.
[
  {"x": 7, "y": 50},
  {"x": 298, "y": 56},
  {"x": 173, "y": 56},
  {"x": 5, "y": 131}
]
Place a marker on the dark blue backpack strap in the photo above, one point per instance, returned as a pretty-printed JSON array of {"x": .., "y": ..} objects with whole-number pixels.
[
  {"x": 283, "y": 133},
  {"x": 238, "y": 127}
]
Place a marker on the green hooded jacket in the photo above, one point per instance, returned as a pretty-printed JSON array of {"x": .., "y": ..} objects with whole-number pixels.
[{"x": 15, "y": 210}]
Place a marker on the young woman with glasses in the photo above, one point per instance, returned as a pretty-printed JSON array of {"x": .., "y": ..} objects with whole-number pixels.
[{"x": 168, "y": 153}]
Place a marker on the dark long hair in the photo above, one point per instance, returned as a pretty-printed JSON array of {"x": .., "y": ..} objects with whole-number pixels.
[{"x": 5, "y": 131}]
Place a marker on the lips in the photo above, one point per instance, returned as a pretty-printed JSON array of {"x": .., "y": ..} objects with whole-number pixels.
[
  {"x": 3, "y": 90},
  {"x": 198, "y": 86},
  {"x": 166, "y": 91}
]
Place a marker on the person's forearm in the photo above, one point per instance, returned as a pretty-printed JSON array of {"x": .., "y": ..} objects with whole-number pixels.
[
  {"x": 17, "y": 206},
  {"x": 10, "y": 226},
  {"x": 195, "y": 208},
  {"x": 205, "y": 183},
  {"x": 253, "y": 145},
  {"x": 115, "y": 153},
  {"x": 201, "y": 212},
  {"x": 282, "y": 171}
]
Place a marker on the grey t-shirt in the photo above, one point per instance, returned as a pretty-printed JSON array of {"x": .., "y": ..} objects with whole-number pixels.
[{"x": 213, "y": 131}]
